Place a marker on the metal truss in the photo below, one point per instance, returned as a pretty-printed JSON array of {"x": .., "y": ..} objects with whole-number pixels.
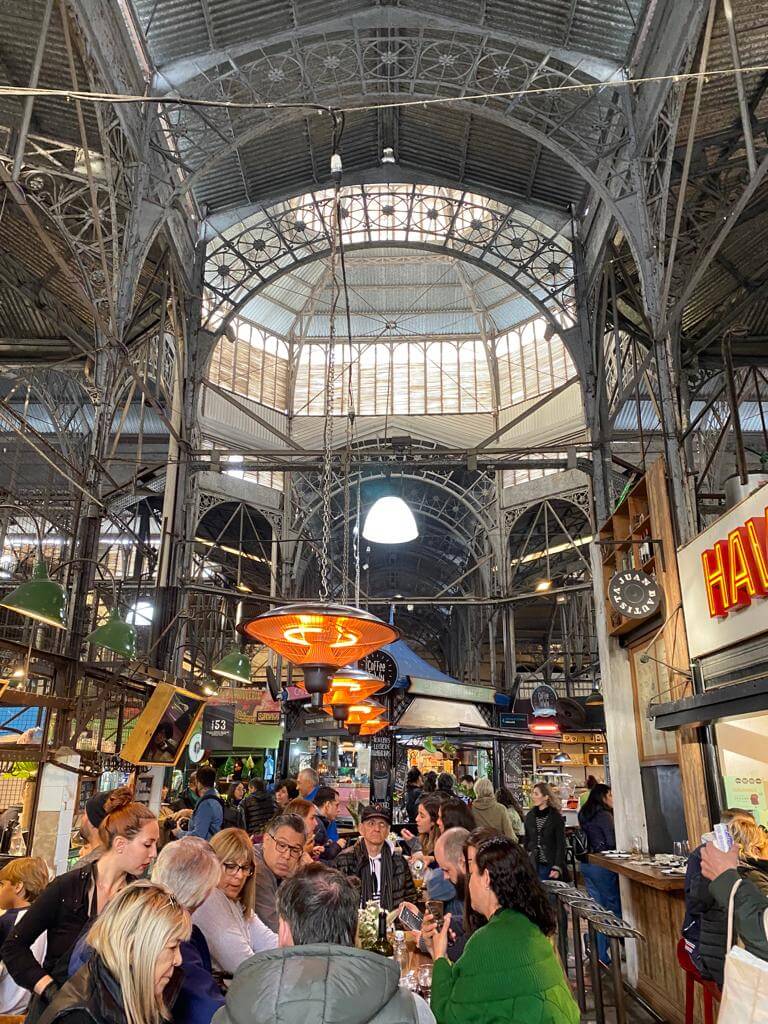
[
  {"x": 413, "y": 58},
  {"x": 517, "y": 248}
]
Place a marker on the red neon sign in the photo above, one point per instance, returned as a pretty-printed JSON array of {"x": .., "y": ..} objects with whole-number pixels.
[
  {"x": 543, "y": 726},
  {"x": 736, "y": 569}
]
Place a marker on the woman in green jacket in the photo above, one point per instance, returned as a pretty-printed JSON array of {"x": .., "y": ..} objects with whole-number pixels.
[{"x": 508, "y": 971}]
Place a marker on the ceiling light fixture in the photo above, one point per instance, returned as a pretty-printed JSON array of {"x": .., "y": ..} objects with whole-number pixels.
[
  {"x": 543, "y": 586},
  {"x": 390, "y": 521},
  {"x": 319, "y": 638},
  {"x": 234, "y": 665},
  {"x": 595, "y": 698}
]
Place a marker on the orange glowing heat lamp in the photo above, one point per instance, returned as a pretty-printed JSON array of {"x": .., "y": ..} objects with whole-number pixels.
[
  {"x": 371, "y": 728},
  {"x": 348, "y": 687},
  {"x": 319, "y": 638}
]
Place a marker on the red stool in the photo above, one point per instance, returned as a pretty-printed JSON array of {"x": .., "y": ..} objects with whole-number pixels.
[{"x": 710, "y": 991}]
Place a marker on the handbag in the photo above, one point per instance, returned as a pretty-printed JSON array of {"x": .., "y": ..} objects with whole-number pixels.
[{"x": 745, "y": 988}]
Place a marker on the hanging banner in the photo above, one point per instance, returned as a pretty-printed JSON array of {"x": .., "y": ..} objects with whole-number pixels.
[{"x": 219, "y": 727}]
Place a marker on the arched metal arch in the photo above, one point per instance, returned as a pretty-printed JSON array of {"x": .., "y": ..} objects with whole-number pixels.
[
  {"x": 421, "y": 62},
  {"x": 518, "y": 249}
]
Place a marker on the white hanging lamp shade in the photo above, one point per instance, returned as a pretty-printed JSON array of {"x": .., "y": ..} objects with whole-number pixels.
[{"x": 390, "y": 521}]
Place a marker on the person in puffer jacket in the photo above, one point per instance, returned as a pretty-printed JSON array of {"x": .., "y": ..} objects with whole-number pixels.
[
  {"x": 257, "y": 808},
  {"x": 752, "y": 842},
  {"x": 316, "y": 976}
]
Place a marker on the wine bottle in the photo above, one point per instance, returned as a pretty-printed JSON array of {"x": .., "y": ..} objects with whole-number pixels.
[{"x": 382, "y": 945}]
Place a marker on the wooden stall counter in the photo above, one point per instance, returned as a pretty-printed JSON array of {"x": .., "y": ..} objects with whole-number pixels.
[{"x": 656, "y": 907}]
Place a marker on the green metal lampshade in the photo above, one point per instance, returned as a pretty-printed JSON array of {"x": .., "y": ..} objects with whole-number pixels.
[
  {"x": 234, "y": 665},
  {"x": 40, "y": 598},
  {"x": 594, "y": 700},
  {"x": 115, "y": 635}
]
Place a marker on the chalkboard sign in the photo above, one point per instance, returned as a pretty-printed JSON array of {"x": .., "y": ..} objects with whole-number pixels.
[
  {"x": 381, "y": 768},
  {"x": 219, "y": 726},
  {"x": 664, "y": 812}
]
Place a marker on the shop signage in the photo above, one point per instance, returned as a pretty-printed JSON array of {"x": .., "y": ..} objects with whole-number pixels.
[
  {"x": 724, "y": 577},
  {"x": 736, "y": 570},
  {"x": 510, "y": 720},
  {"x": 381, "y": 665},
  {"x": 218, "y": 726},
  {"x": 544, "y": 701},
  {"x": 196, "y": 750},
  {"x": 634, "y": 594}
]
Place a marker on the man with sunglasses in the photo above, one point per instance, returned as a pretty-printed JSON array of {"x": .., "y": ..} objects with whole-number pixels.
[
  {"x": 384, "y": 876},
  {"x": 277, "y": 858}
]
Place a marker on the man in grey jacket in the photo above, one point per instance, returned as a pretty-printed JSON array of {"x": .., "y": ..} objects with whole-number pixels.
[{"x": 317, "y": 976}]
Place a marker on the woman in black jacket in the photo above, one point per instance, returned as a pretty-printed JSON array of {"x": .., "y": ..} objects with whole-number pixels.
[
  {"x": 596, "y": 820},
  {"x": 413, "y": 791},
  {"x": 133, "y": 975},
  {"x": 232, "y": 803},
  {"x": 545, "y": 833},
  {"x": 129, "y": 835}
]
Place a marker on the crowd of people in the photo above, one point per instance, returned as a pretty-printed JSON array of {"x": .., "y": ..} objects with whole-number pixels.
[{"x": 249, "y": 911}]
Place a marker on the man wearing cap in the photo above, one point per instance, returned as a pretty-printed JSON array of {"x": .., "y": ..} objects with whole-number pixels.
[
  {"x": 384, "y": 876},
  {"x": 93, "y": 815}
]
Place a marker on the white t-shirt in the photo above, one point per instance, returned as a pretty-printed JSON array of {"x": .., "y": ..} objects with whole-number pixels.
[{"x": 13, "y": 998}]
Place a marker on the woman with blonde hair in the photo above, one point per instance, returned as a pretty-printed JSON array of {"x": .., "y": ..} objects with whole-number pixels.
[
  {"x": 129, "y": 834},
  {"x": 545, "y": 833},
  {"x": 21, "y": 882},
  {"x": 132, "y": 977},
  {"x": 227, "y": 919},
  {"x": 706, "y": 924}
]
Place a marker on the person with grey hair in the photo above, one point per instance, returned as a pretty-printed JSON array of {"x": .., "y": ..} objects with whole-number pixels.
[
  {"x": 191, "y": 871},
  {"x": 308, "y": 783},
  {"x": 488, "y": 811},
  {"x": 317, "y": 976}
]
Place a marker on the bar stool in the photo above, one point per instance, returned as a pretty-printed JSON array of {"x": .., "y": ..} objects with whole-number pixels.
[
  {"x": 579, "y": 906},
  {"x": 710, "y": 992},
  {"x": 561, "y": 895},
  {"x": 602, "y": 921}
]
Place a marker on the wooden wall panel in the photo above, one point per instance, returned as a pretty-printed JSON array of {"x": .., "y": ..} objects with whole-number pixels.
[{"x": 676, "y": 644}]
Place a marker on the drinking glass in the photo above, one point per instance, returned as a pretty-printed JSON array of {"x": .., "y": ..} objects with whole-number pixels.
[
  {"x": 636, "y": 848},
  {"x": 677, "y": 849},
  {"x": 425, "y": 981}
]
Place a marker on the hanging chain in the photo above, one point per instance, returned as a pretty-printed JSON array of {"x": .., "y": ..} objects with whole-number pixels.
[
  {"x": 325, "y": 565},
  {"x": 357, "y": 547}
]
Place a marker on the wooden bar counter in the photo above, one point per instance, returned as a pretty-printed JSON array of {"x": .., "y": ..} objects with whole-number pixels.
[{"x": 656, "y": 908}]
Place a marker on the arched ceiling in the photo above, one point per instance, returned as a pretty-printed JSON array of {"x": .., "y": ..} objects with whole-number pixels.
[
  {"x": 393, "y": 293},
  {"x": 541, "y": 146}
]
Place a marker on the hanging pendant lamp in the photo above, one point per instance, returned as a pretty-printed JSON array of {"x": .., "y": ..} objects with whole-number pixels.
[
  {"x": 319, "y": 639},
  {"x": 359, "y": 715},
  {"x": 371, "y": 728},
  {"x": 40, "y": 598},
  {"x": 390, "y": 521},
  {"x": 234, "y": 665},
  {"x": 115, "y": 635},
  {"x": 595, "y": 699},
  {"x": 350, "y": 687}
]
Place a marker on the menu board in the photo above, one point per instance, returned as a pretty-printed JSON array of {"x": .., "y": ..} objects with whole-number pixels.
[{"x": 749, "y": 792}]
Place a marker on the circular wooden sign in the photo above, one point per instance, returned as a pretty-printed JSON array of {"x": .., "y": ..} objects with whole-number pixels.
[{"x": 634, "y": 594}]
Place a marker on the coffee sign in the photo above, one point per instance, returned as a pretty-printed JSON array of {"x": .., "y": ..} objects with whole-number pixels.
[{"x": 634, "y": 594}]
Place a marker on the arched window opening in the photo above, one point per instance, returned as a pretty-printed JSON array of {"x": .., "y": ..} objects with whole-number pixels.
[
  {"x": 254, "y": 365},
  {"x": 531, "y": 363},
  {"x": 409, "y": 378}
]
